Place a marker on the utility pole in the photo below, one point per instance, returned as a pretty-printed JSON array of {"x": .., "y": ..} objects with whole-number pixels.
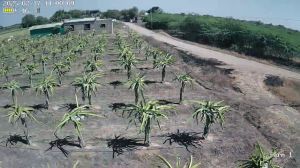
[{"x": 112, "y": 26}]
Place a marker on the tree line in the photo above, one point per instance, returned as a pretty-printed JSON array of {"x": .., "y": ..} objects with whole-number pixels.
[
  {"x": 125, "y": 15},
  {"x": 227, "y": 33}
]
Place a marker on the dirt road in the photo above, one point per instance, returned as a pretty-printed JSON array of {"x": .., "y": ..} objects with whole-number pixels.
[
  {"x": 241, "y": 65},
  {"x": 249, "y": 76}
]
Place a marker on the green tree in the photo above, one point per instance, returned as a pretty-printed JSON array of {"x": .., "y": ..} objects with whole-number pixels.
[
  {"x": 21, "y": 113},
  {"x": 192, "y": 28},
  {"x": 74, "y": 117},
  {"x": 41, "y": 20},
  {"x": 155, "y": 9},
  {"x": 76, "y": 13},
  {"x": 14, "y": 87},
  {"x": 30, "y": 69},
  {"x": 260, "y": 158},
  {"x": 46, "y": 87},
  {"x": 210, "y": 112},
  {"x": 184, "y": 79},
  {"x": 88, "y": 84},
  {"x": 59, "y": 16},
  {"x": 178, "y": 163},
  {"x": 163, "y": 62},
  {"x": 146, "y": 114},
  {"x": 137, "y": 84},
  {"x": 28, "y": 20},
  {"x": 128, "y": 14},
  {"x": 114, "y": 14}
]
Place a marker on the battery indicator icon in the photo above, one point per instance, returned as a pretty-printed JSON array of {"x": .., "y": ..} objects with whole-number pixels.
[{"x": 8, "y": 10}]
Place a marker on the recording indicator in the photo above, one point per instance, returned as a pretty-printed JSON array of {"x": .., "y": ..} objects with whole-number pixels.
[
  {"x": 8, "y": 10},
  {"x": 33, "y": 6}
]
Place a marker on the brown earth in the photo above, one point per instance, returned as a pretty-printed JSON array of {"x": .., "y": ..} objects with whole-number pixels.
[{"x": 255, "y": 115}]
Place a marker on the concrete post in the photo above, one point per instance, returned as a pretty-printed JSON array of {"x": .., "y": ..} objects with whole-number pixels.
[{"x": 112, "y": 27}]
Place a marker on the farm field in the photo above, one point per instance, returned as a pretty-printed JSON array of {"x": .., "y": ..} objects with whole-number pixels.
[
  {"x": 14, "y": 32},
  {"x": 258, "y": 117}
]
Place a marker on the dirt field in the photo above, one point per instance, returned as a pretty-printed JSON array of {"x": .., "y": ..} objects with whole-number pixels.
[{"x": 255, "y": 115}]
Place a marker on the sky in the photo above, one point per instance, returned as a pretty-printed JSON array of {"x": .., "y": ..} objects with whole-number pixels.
[{"x": 283, "y": 12}]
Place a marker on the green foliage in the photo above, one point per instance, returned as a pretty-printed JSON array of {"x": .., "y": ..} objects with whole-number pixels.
[
  {"x": 156, "y": 53},
  {"x": 148, "y": 52},
  {"x": 60, "y": 69},
  {"x": 99, "y": 49},
  {"x": 128, "y": 14},
  {"x": 155, "y": 9},
  {"x": 128, "y": 60},
  {"x": 59, "y": 16},
  {"x": 30, "y": 20},
  {"x": 14, "y": 87},
  {"x": 137, "y": 84},
  {"x": 30, "y": 69},
  {"x": 136, "y": 40},
  {"x": 4, "y": 70},
  {"x": 190, "y": 164},
  {"x": 210, "y": 112},
  {"x": 124, "y": 15},
  {"x": 114, "y": 14},
  {"x": 74, "y": 117},
  {"x": 146, "y": 113},
  {"x": 91, "y": 66},
  {"x": 69, "y": 59},
  {"x": 247, "y": 37},
  {"x": 44, "y": 60},
  {"x": 260, "y": 158},
  {"x": 163, "y": 61},
  {"x": 184, "y": 79},
  {"x": 41, "y": 20},
  {"x": 20, "y": 113},
  {"x": 46, "y": 87},
  {"x": 21, "y": 60},
  {"x": 88, "y": 84}
]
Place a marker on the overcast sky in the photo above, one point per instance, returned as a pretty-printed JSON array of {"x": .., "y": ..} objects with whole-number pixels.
[{"x": 284, "y": 12}]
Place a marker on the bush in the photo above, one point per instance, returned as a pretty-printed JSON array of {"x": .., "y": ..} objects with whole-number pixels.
[{"x": 251, "y": 38}]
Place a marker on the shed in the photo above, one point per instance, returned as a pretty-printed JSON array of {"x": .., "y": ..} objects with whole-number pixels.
[
  {"x": 89, "y": 24},
  {"x": 46, "y": 29}
]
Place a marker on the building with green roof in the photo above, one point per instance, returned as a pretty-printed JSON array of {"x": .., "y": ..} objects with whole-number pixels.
[{"x": 46, "y": 29}]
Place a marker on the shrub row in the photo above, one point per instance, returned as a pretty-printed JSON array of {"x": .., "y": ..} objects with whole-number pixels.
[{"x": 225, "y": 33}]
